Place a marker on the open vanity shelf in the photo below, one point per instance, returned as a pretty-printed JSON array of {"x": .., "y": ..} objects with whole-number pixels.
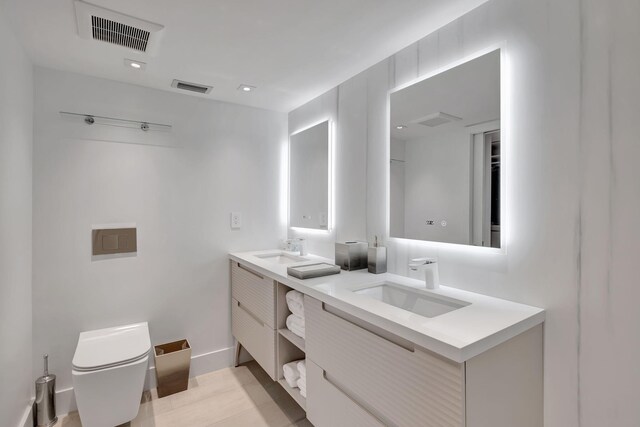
[
  {"x": 295, "y": 393},
  {"x": 290, "y": 347},
  {"x": 292, "y": 338}
]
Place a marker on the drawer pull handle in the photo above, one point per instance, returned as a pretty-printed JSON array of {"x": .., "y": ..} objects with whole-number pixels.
[
  {"x": 397, "y": 341},
  {"x": 250, "y": 271},
  {"x": 355, "y": 401},
  {"x": 256, "y": 318}
]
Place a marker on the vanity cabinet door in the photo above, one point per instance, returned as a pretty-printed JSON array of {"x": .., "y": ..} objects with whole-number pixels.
[
  {"x": 329, "y": 406},
  {"x": 399, "y": 384},
  {"x": 254, "y": 291},
  {"x": 257, "y": 337}
]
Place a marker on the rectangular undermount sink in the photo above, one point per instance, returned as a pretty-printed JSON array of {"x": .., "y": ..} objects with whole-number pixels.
[
  {"x": 414, "y": 300},
  {"x": 281, "y": 258}
]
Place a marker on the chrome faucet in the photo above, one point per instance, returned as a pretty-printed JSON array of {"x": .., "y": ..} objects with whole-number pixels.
[{"x": 430, "y": 268}]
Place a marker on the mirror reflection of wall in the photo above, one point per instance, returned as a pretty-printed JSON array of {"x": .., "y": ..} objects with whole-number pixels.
[
  {"x": 309, "y": 178},
  {"x": 445, "y": 156}
]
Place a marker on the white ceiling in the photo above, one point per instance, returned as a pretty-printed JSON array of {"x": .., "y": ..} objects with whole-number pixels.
[{"x": 292, "y": 50}]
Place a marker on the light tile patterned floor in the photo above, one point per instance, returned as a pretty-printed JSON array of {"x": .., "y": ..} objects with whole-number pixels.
[{"x": 243, "y": 396}]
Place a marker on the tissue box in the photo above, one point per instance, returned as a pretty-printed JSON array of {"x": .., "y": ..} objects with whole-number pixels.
[{"x": 351, "y": 255}]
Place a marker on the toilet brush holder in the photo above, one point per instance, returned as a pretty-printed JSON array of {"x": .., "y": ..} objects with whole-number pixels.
[{"x": 44, "y": 407}]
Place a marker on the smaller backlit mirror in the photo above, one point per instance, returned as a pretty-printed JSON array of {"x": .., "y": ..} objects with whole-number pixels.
[
  {"x": 309, "y": 178},
  {"x": 446, "y": 156}
]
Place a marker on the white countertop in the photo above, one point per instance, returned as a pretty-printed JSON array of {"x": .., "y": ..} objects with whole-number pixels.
[{"x": 458, "y": 335}]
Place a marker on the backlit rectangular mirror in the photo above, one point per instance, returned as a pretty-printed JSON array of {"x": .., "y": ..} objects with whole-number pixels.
[
  {"x": 445, "y": 166},
  {"x": 309, "y": 175}
]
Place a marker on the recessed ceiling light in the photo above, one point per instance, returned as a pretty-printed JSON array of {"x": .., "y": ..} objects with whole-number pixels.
[
  {"x": 246, "y": 88},
  {"x": 400, "y": 127},
  {"x": 136, "y": 65}
]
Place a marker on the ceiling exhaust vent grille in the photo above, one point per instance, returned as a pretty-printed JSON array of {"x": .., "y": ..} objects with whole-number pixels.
[
  {"x": 120, "y": 34},
  {"x": 437, "y": 119},
  {"x": 113, "y": 27},
  {"x": 192, "y": 87}
]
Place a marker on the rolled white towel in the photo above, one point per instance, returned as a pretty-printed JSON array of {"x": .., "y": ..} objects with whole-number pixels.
[
  {"x": 292, "y": 381},
  {"x": 291, "y": 374},
  {"x": 295, "y": 302},
  {"x": 296, "y": 325},
  {"x": 295, "y": 296},
  {"x": 302, "y": 369},
  {"x": 296, "y": 308},
  {"x": 291, "y": 368},
  {"x": 302, "y": 385}
]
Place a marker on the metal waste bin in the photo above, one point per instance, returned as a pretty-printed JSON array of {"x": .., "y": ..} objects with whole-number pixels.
[{"x": 173, "y": 362}]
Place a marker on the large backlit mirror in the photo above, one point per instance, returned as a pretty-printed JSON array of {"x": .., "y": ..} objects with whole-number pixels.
[
  {"x": 445, "y": 167},
  {"x": 309, "y": 176}
]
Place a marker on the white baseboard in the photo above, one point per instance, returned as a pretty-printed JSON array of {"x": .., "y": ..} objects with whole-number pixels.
[
  {"x": 65, "y": 401},
  {"x": 200, "y": 364},
  {"x": 27, "y": 420}
]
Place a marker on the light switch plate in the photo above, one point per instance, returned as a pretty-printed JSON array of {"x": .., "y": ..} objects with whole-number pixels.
[{"x": 236, "y": 220}]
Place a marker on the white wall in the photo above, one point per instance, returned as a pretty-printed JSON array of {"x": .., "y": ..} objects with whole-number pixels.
[
  {"x": 572, "y": 196},
  {"x": 178, "y": 187},
  {"x": 16, "y": 143}
]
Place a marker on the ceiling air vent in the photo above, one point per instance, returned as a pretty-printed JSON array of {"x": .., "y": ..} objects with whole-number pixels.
[
  {"x": 106, "y": 25},
  {"x": 193, "y": 87},
  {"x": 120, "y": 34},
  {"x": 437, "y": 119}
]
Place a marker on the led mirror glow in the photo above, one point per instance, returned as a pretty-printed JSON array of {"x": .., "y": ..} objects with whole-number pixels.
[
  {"x": 310, "y": 178},
  {"x": 446, "y": 169}
]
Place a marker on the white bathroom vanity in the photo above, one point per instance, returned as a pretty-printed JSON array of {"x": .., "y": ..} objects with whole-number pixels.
[{"x": 384, "y": 350}]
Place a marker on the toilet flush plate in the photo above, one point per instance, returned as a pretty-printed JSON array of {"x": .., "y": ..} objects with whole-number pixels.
[{"x": 114, "y": 241}]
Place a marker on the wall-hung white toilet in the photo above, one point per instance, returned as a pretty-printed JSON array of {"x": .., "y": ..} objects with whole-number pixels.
[{"x": 109, "y": 369}]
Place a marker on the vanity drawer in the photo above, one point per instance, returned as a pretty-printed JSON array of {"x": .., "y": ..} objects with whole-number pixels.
[
  {"x": 401, "y": 384},
  {"x": 328, "y": 405},
  {"x": 256, "y": 336},
  {"x": 254, "y": 291}
]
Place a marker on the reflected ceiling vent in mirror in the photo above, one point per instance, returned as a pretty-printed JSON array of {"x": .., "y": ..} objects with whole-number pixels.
[
  {"x": 437, "y": 119},
  {"x": 192, "y": 87},
  {"x": 113, "y": 27}
]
